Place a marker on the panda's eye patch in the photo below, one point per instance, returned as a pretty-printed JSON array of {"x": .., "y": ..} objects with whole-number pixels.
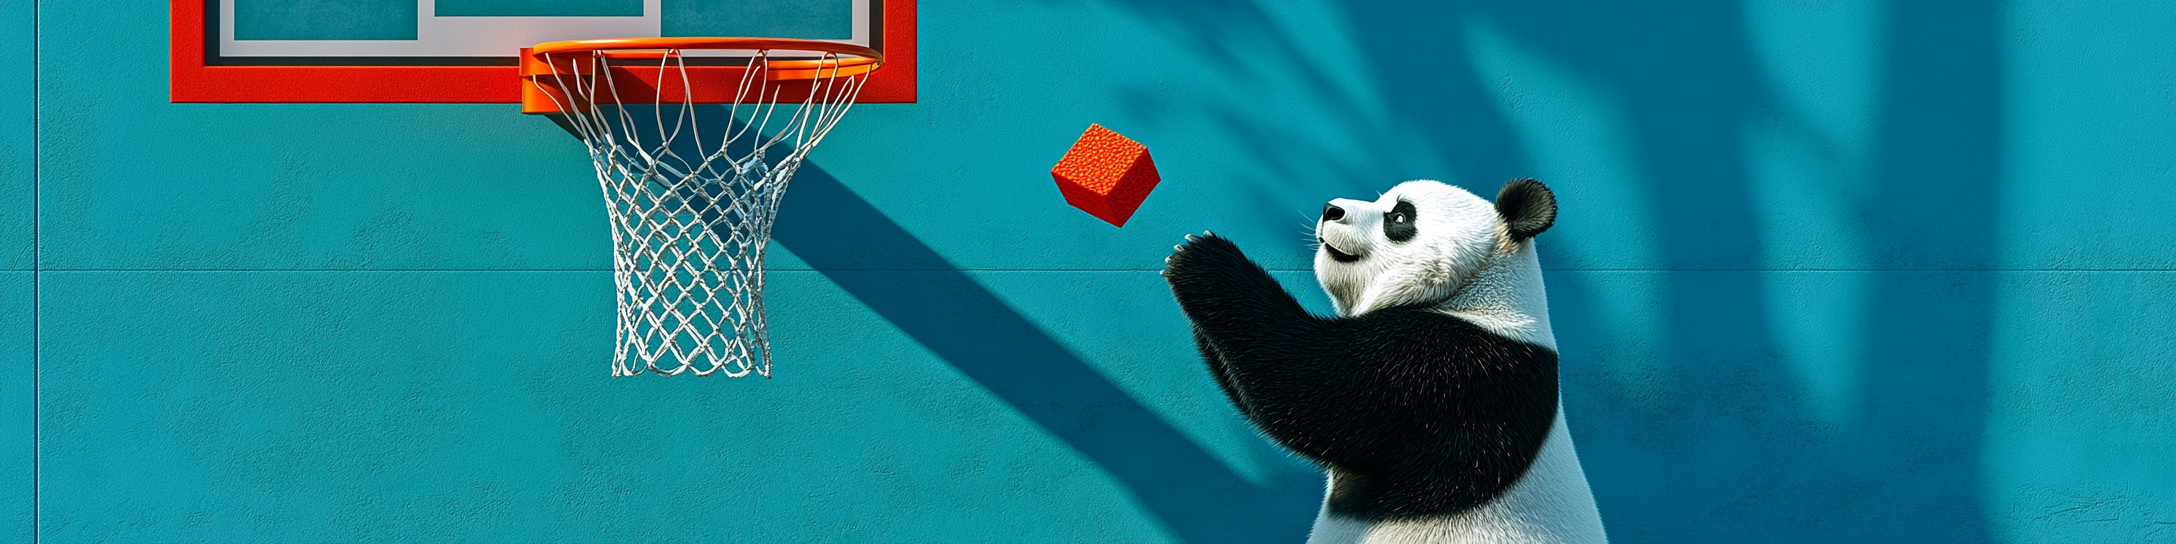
[{"x": 1398, "y": 225}]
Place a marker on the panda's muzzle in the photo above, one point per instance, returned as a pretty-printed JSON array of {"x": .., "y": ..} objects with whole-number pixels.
[{"x": 1336, "y": 255}]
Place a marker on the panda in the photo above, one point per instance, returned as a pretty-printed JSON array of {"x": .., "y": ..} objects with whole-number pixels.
[{"x": 1431, "y": 398}]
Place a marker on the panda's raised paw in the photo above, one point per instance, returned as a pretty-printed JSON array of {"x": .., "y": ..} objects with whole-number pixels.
[{"x": 1203, "y": 250}]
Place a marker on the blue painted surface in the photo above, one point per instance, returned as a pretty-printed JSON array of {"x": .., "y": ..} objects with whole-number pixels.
[
  {"x": 324, "y": 20},
  {"x": 18, "y": 88},
  {"x": 804, "y": 19},
  {"x": 17, "y": 449},
  {"x": 379, "y": 416},
  {"x": 17, "y": 401},
  {"x": 536, "y": 8},
  {"x": 1826, "y": 272}
]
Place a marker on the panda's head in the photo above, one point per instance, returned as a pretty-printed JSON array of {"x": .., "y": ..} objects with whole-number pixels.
[{"x": 1423, "y": 241}]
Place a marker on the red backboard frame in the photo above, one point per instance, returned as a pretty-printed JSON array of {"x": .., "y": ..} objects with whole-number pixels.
[{"x": 195, "y": 81}]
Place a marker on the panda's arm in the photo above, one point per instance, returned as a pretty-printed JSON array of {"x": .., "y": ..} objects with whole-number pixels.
[
  {"x": 1221, "y": 278},
  {"x": 1291, "y": 372},
  {"x": 1223, "y": 375}
]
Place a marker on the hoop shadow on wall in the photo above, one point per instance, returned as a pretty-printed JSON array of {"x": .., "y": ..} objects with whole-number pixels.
[
  {"x": 841, "y": 235},
  {"x": 942, "y": 308}
]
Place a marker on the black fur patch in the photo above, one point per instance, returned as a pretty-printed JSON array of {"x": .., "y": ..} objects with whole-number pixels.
[
  {"x": 1420, "y": 413},
  {"x": 1399, "y": 225},
  {"x": 1527, "y": 208}
]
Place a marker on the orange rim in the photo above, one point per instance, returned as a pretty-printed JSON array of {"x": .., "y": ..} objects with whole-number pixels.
[
  {"x": 541, "y": 81},
  {"x": 849, "y": 60}
]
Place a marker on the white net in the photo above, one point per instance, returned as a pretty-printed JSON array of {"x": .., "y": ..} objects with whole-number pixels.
[{"x": 691, "y": 212}]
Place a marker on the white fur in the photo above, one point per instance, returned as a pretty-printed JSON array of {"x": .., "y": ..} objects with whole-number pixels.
[
  {"x": 1457, "y": 234},
  {"x": 1464, "y": 263},
  {"x": 1551, "y": 504},
  {"x": 1507, "y": 298}
]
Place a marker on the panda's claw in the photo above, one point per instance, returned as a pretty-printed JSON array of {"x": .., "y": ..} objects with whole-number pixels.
[{"x": 1192, "y": 238}]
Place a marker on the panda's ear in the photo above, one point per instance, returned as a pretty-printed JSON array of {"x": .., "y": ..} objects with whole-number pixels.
[{"x": 1527, "y": 208}]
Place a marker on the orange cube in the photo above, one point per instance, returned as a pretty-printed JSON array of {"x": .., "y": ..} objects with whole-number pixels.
[{"x": 1106, "y": 175}]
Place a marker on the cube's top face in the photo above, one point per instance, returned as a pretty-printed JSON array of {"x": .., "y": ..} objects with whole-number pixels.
[
  {"x": 1099, "y": 159},
  {"x": 466, "y": 50}
]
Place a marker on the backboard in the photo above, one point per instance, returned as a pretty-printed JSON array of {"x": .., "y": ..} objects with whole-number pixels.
[{"x": 465, "y": 50}]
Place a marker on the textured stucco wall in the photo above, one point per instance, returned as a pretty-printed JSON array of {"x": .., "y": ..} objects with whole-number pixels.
[{"x": 1826, "y": 272}]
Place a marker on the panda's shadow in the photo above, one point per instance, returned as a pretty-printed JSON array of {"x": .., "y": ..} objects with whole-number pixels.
[{"x": 902, "y": 279}]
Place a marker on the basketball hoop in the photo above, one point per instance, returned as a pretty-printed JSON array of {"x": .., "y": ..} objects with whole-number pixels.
[{"x": 691, "y": 212}]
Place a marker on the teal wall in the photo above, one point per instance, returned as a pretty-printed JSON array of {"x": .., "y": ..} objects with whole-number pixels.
[
  {"x": 18, "y": 355},
  {"x": 1826, "y": 272}
]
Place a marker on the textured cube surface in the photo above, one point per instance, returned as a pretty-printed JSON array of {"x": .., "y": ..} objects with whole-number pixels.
[{"x": 1106, "y": 175}]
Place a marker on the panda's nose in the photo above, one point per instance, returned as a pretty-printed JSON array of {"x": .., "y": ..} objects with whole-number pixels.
[{"x": 1330, "y": 212}]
